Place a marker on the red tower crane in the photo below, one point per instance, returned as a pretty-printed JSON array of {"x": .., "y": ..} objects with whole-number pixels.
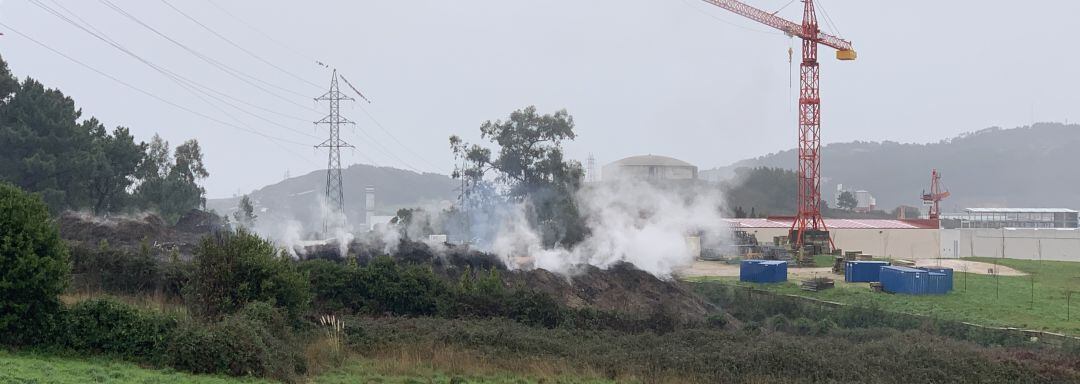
[
  {"x": 935, "y": 196},
  {"x": 808, "y": 224}
]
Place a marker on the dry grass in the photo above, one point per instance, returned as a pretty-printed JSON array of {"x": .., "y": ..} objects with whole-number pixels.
[
  {"x": 409, "y": 358},
  {"x": 156, "y": 301},
  {"x": 327, "y": 352}
]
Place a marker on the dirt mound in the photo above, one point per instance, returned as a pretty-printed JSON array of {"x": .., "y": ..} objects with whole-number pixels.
[
  {"x": 131, "y": 232},
  {"x": 621, "y": 287},
  {"x": 83, "y": 227},
  {"x": 196, "y": 221}
]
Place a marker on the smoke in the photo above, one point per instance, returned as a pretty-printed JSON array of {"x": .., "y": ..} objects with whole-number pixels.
[
  {"x": 631, "y": 221},
  {"x": 634, "y": 221},
  {"x": 327, "y": 226}
]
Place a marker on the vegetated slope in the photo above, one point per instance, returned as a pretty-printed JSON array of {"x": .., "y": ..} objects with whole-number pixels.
[
  {"x": 620, "y": 288},
  {"x": 298, "y": 197},
  {"x": 1030, "y": 166}
]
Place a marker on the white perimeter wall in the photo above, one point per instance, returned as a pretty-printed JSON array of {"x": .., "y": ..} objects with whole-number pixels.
[
  {"x": 1020, "y": 243},
  {"x": 894, "y": 243}
]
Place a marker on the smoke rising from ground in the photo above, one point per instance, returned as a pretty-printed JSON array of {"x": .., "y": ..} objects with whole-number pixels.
[
  {"x": 629, "y": 221},
  {"x": 632, "y": 221}
]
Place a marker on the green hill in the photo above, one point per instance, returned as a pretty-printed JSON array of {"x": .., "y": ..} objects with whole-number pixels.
[{"x": 1028, "y": 166}]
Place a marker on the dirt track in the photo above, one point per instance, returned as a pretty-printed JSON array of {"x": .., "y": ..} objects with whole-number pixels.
[
  {"x": 718, "y": 269},
  {"x": 976, "y": 267}
]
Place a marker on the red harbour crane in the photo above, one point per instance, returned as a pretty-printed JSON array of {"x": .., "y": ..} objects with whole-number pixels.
[
  {"x": 808, "y": 225},
  {"x": 935, "y": 196}
]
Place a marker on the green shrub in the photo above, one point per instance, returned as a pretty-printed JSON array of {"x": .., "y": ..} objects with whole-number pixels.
[
  {"x": 114, "y": 328},
  {"x": 400, "y": 289},
  {"x": 34, "y": 267},
  {"x": 381, "y": 286},
  {"x": 335, "y": 288},
  {"x": 533, "y": 308},
  {"x": 255, "y": 341},
  {"x": 231, "y": 269},
  {"x": 116, "y": 270}
]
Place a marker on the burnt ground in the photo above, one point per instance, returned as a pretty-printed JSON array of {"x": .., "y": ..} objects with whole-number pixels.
[
  {"x": 621, "y": 287},
  {"x": 132, "y": 232}
]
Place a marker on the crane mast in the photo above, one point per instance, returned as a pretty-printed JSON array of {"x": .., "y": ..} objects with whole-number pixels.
[
  {"x": 808, "y": 226},
  {"x": 935, "y": 196}
]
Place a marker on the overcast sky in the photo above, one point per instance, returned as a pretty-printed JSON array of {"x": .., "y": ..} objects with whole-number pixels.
[{"x": 673, "y": 77}]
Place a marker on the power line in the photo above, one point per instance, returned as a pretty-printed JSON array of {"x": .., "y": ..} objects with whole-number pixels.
[
  {"x": 145, "y": 92},
  {"x": 238, "y": 46},
  {"x": 371, "y": 138},
  {"x": 184, "y": 82},
  {"x": 264, "y": 34},
  {"x": 217, "y": 64},
  {"x": 392, "y": 136},
  {"x": 381, "y": 127}
]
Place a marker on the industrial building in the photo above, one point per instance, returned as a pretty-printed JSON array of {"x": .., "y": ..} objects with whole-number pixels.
[
  {"x": 650, "y": 167},
  {"x": 1060, "y": 244},
  {"x": 864, "y": 200},
  {"x": 1011, "y": 218},
  {"x": 901, "y": 239}
]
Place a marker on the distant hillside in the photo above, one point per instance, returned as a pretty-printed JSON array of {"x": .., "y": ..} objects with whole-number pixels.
[
  {"x": 297, "y": 197},
  {"x": 1020, "y": 167}
]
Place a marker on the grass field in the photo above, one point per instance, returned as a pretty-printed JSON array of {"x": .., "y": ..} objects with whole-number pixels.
[
  {"x": 27, "y": 368},
  {"x": 39, "y": 369},
  {"x": 982, "y": 299}
]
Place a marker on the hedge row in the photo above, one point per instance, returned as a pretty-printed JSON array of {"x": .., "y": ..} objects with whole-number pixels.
[{"x": 256, "y": 341}]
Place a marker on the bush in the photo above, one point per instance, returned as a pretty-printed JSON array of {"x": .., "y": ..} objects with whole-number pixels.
[
  {"x": 400, "y": 289},
  {"x": 115, "y": 270},
  {"x": 256, "y": 341},
  {"x": 231, "y": 269},
  {"x": 34, "y": 267},
  {"x": 114, "y": 328},
  {"x": 534, "y": 308},
  {"x": 335, "y": 287},
  {"x": 381, "y": 286}
]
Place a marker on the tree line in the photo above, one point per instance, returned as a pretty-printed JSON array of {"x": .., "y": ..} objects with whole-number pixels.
[{"x": 77, "y": 163}]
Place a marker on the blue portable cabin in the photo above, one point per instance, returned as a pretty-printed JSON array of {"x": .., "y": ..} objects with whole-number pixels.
[
  {"x": 913, "y": 281},
  {"x": 863, "y": 271},
  {"x": 763, "y": 271},
  {"x": 946, "y": 281}
]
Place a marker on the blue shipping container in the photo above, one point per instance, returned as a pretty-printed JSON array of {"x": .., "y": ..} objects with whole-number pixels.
[
  {"x": 914, "y": 281},
  {"x": 948, "y": 279},
  {"x": 763, "y": 271},
  {"x": 863, "y": 271}
]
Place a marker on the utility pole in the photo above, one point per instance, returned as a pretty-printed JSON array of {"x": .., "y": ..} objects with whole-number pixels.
[{"x": 334, "y": 193}]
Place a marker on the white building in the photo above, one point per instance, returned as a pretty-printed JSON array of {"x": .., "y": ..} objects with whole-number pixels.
[
  {"x": 864, "y": 201},
  {"x": 650, "y": 167}
]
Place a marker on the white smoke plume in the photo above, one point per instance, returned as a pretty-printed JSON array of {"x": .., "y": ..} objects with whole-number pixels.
[
  {"x": 629, "y": 221},
  {"x": 328, "y": 227}
]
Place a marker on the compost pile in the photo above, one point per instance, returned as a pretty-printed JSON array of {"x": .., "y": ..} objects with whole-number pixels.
[
  {"x": 620, "y": 287},
  {"x": 133, "y": 232}
]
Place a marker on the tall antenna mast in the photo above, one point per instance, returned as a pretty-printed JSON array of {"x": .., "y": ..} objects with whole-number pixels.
[
  {"x": 334, "y": 193},
  {"x": 590, "y": 170}
]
